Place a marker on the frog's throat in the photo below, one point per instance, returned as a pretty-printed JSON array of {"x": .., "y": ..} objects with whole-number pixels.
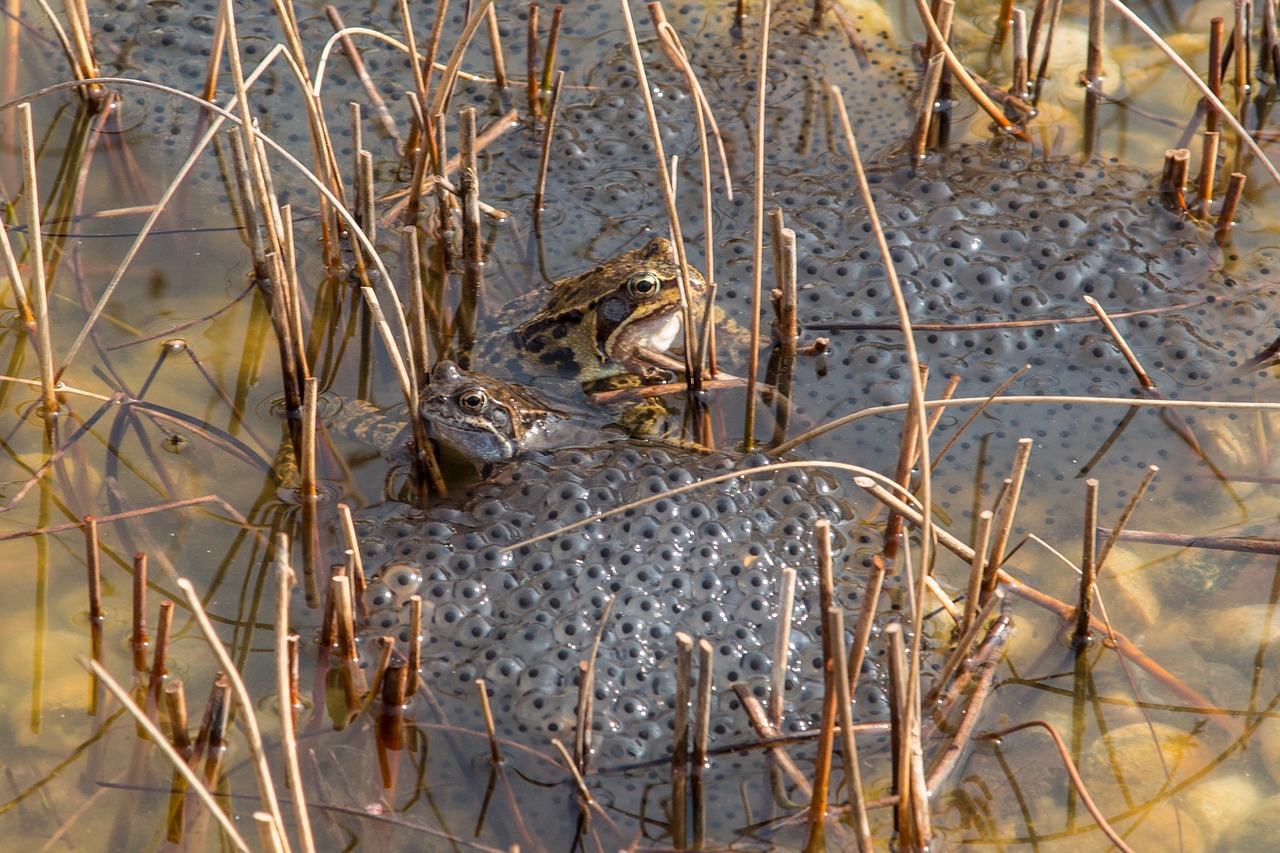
[{"x": 656, "y": 334}]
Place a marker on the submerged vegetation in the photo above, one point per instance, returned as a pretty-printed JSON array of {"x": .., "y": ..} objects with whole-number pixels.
[{"x": 966, "y": 548}]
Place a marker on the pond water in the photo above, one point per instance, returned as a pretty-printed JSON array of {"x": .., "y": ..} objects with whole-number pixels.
[{"x": 983, "y": 234}]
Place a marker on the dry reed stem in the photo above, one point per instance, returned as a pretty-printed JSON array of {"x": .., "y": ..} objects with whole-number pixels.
[
  {"x": 355, "y": 564},
  {"x": 544, "y": 158},
  {"x": 267, "y": 833},
  {"x": 830, "y": 640},
  {"x": 553, "y": 39},
  {"x": 1021, "y": 70},
  {"x": 757, "y": 226},
  {"x": 1126, "y": 514},
  {"x": 702, "y": 710},
  {"x": 848, "y": 745},
  {"x": 531, "y": 62},
  {"x": 962, "y": 74},
  {"x": 344, "y": 619},
  {"x": 930, "y": 83},
  {"x": 378, "y": 685},
  {"x": 179, "y": 764},
  {"x": 760, "y": 722},
  {"x": 266, "y": 787},
  {"x": 495, "y": 47},
  {"x": 286, "y": 689},
  {"x": 1088, "y": 565},
  {"x": 1005, "y": 511},
  {"x": 1240, "y": 48},
  {"x": 1213, "y": 119},
  {"x": 415, "y": 641},
  {"x": 444, "y": 92},
  {"x": 1208, "y": 171},
  {"x": 1072, "y": 772},
  {"x": 1230, "y": 200},
  {"x": 1243, "y": 135},
  {"x": 343, "y": 35},
  {"x": 175, "y": 703},
  {"x": 977, "y": 568},
  {"x": 1120, "y": 342},
  {"x": 160, "y": 657},
  {"x": 674, "y": 48},
  {"x": 495, "y": 754},
  {"x": 1061, "y": 609},
  {"x": 782, "y": 646},
  {"x": 986, "y": 658},
  {"x": 960, "y": 653},
  {"x": 1242, "y": 545},
  {"x": 25, "y": 314},
  {"x": 694, "y": 371},
  {"x": 35, "y": 254},
  {"x": 680, "y": 745},
  {"x": 138, "y": 640},
  {"x": 583, "y": 791},
  {"x": 1173, "y": 180}
]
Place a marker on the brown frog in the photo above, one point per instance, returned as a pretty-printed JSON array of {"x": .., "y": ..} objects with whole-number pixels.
[{"x": 617, "y": 319}]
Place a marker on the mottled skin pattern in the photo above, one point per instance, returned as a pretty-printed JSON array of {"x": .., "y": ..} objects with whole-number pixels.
[{"x": 618, "y": 318}]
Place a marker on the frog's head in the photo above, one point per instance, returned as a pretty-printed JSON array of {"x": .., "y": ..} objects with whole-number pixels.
[{"x": 485, "y": 419}]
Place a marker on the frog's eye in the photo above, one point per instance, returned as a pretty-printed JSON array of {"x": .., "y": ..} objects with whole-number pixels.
[
  {"x": 473, "y": 400},
  {"x": 644, "y": 285}
]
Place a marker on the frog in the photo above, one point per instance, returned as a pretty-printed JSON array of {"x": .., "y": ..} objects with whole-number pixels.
[
  {"x": 604, "y": 328},
  {"x": 489, "y": 422}
]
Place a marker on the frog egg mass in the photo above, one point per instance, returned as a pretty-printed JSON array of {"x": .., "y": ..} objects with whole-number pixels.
[{"x": 705, "y": 562}]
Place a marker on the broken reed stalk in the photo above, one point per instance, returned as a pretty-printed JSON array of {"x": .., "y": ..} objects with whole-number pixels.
[
  {"x": 213, "y": 731},
  {"x": 583, "y": 791},
  {"x": 928, "y": 106},
  {"x": 977, "y": 569},
  {"x": 371, "y": 92},
  {"x": 175, "y": 704},
  {"x": 267, "y": 833},
  {"x": 138, "y": 640},
  {"x": 826, "y": 735},
  {"x": 160, "y": 658},
  {"x": 415, "y": 642},
  {"x": 553, "y": 39},
  {"x": 1125, "y": 349},
  {"x": 1021, "y": 69},
  {"x": 157, "y": 737},
  {"x": 472, "y": 245},
  {"x": 344, "y": 617},
  {"x": 680, "y": 746},
  {"x": 1241, "y": 48},
  {"x": 757, "y": 220},
  {"x": 253, "y": 736},
  {"x": 693, "y": 370},
  {"x": 585, "y": 710},
  {"x": 1173, "y": 180},
  {"x": 782, "y": 646},
  {"x": 782, "y": 361},
  {"x": 1230, "y": 201},
  {"x": 702, "y": 710},
  {"x": 495, "y": 48},
  {"x": 544, "y": 160},
  {"x": 93, "y": 567},
  {"x": 531, "y": 63},
  {"x": 286, "y": 690},
  {"x": 848, "y": 746},
  {"x": 1088, "y": 566},
  {"x": 25, "y": 314},
  {"x": 35, "y": 255},
  {"x": 1003, "y": 525},
  {"x": 955, "y": 436},
  {"x": 1244, "y": 137},
  {"x": 1063, "y": 610},
  {"x": 900, "y": 709},
  {"x": 1208, "y": 171},
  {"x": 907, "y": 445},
  {"x": 482, "y": 690},
  {"x": 367, "y": 213},
  {"x": 1125, "y": 514},
  {"x": 1213, "y": 120}
]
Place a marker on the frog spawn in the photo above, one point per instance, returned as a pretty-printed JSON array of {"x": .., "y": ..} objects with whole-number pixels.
[{"x": 707, "y": 563}]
